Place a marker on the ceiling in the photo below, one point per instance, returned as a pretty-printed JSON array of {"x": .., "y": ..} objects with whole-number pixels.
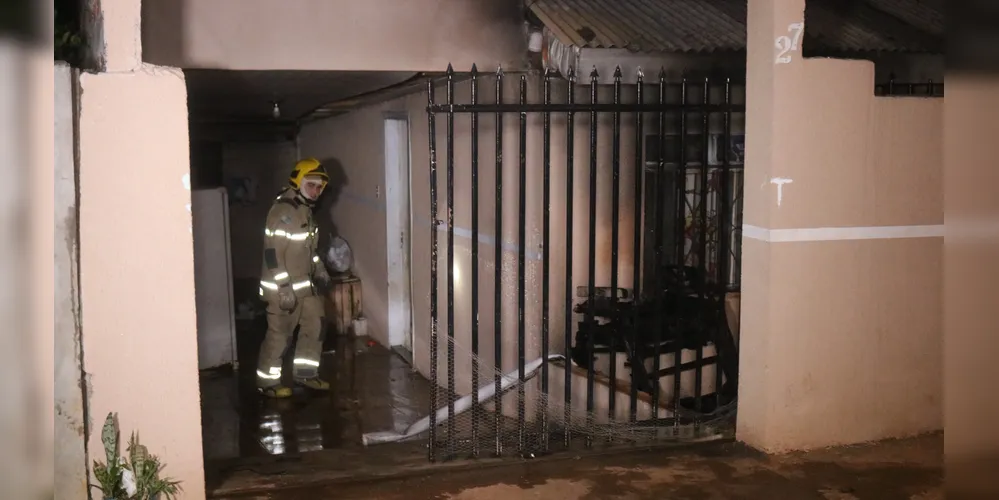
[{"x": 248, "y": 96}]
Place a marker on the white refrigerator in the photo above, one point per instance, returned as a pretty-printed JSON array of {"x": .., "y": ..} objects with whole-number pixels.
[{"x": 213, "y": 279}]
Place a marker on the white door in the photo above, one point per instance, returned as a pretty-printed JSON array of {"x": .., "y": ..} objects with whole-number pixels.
[
  {"x": 397, "y": 205},
  {"x": 213, "y": 278}
]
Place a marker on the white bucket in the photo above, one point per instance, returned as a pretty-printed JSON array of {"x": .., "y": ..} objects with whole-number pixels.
[
  {"x": 535, "y": 42},
  {"x": 360, "y": 327}
]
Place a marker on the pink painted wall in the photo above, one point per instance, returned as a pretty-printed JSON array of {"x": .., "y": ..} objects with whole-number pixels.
[
  {"x": 136, "y": 265},
  {"x": 971, "y": 439},
  {"x": 120, "y": 24},
  {"x": 840, "y": 340},
  {"x": 387, "y": 35}
]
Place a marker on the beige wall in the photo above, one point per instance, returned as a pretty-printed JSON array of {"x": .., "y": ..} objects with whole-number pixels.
[
  {"x": 971, "y": 323},
  {"x": 841, "y": 330},
  {"x": 416, "y": 35},
  {"x": 356, "y": 141},
  {"x": 136, "y": 265}
]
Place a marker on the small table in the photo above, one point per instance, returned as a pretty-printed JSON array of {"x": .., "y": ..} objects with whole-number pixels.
[{"x": 343, "y": 302}]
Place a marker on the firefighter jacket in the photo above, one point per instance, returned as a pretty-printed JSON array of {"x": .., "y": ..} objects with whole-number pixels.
[{"x": 290, "y": 241}]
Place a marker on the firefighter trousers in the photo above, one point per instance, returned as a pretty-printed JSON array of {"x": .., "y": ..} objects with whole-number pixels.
[{"x": 308, "y": 316}]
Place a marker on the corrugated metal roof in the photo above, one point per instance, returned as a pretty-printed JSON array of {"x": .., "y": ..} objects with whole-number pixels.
[
  {"x": 701, "y": 26},
  {"x": 927, "y": 15},
  {"x": 646, "y": 25},
  {"x": 858, "y": 26}
]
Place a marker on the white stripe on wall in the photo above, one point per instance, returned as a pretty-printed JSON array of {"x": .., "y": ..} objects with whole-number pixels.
[{"x": 841, "y": 233}]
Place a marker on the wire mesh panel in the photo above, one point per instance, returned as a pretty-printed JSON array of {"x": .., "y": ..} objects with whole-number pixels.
[{"x": 608, "y": 293}]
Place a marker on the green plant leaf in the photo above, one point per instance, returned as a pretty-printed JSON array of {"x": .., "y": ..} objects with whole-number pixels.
[
  {"x": 109, "y": 480},
  {"x": 145, "y": 466},
  {"x": 109, "y": 436}
]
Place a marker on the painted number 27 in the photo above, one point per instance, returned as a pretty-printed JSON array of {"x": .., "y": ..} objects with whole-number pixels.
[{"x": 786, "y": 44}]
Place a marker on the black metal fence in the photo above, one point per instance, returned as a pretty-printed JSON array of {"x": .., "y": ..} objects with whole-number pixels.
[{"x": 687, "y": 204}]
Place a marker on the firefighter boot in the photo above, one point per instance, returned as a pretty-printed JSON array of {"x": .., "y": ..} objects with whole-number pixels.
[
  {"x": 314, "y": 383},
  {"x": 276, "y": 392}
]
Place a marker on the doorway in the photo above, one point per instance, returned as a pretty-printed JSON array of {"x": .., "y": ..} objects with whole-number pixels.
[{"x": 398, "y": 223}]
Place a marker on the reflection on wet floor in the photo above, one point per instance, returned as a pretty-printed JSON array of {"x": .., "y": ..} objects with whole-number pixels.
[{"x": 373, "y": 389}]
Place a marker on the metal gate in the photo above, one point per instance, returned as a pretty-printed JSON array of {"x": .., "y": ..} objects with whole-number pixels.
[{"x": 686, "y": 214}]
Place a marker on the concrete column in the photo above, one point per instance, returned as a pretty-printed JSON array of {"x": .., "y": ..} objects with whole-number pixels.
[
  {"x": 971, "y": 273},
  {"x": 136, "y": 252},
  {"x": 70, "y": 459},
  {"x": 119, "y": 27},
  {"x": 842, "y": 248},
  {"x": 136, "y": 265}
]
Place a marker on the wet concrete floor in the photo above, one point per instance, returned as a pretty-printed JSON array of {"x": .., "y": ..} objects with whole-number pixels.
[
  {"x": 281, "y": 447},
  {"x": 905, "y": 470},
  {"x": 373, "y": 389},
  {"x": 252, "y": 443}
]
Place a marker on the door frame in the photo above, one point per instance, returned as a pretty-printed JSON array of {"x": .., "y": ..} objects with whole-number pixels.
[{"x": 399, "y": 223}]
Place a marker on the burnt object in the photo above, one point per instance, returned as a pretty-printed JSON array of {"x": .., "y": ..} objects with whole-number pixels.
[{"x": 693, "y": 316}]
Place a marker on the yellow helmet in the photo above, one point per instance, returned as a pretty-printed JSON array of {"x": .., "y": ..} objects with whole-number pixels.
[{"x": 307, "y": 167}]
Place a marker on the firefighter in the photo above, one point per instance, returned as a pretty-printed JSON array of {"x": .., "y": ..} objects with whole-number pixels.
[{"x": 292, "y": 281}]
